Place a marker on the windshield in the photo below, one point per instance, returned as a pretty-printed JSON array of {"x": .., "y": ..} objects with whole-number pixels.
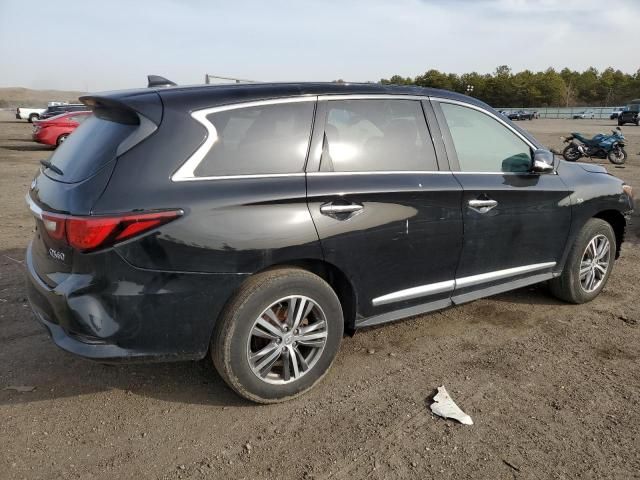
[{"x": 91, "y": 146}]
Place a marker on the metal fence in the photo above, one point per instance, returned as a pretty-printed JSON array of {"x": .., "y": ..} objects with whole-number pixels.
[{"x": 571, "y": 112}]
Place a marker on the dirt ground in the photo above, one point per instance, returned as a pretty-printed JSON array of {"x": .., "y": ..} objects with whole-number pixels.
[{"x": 553, "y": 389}]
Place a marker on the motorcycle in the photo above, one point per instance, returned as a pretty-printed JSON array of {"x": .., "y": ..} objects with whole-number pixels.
[{"x": 600, "y": 146}]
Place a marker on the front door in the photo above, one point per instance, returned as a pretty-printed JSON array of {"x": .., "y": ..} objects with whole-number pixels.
[
  {"x": 385, "y": 214},
  {"x": 515, "y": 222}
]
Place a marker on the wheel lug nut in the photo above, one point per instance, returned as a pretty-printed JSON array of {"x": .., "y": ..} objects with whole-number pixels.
[{"x": 296, "y": 331}]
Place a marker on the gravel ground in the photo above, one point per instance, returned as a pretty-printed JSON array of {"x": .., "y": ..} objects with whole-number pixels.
[{"x": 553, "y": 389}]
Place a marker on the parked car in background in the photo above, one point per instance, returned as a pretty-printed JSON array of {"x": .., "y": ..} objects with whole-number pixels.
[
  {"x": 631, "y": 114},
  {"x": 521, "y": 115},
  {"x": 616, "y": 113},
  {"x": 29, "y": 114},
  {"x": 257, "y": 223},
  {"x": 55, "y": 130},
  {"x": 54, "y": 110},
  {"x": 583, "y": 115}
]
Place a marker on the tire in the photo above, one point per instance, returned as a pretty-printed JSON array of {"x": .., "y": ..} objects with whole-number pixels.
[
  {"x": 235, "y": 339},
  {"x": 61, "y": 139},
  {"x": 569, "y": 286},
  {"x": 33, "y": 117},
  {"x": 617, "y": 156},
  {"x": 571, "y": 153},
  {"x": 620, "y": 123}
]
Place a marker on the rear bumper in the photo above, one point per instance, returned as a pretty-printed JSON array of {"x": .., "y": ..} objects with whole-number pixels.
[
  {"x": 18, "y": 116},
  {"x": 129, "y": 314}
]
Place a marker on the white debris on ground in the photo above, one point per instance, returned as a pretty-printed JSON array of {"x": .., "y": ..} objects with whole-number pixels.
[
  {"x": 21, "y": 388},
  {"x": 445, "y": 407}
]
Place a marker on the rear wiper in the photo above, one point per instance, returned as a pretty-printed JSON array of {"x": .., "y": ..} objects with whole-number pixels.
[{"x": 50, "y": 165}]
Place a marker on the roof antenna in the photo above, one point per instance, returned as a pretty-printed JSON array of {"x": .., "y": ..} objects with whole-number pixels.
[{"x": 158, "y": 81}]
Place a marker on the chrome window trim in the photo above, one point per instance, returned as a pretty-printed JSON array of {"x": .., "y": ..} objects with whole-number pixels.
[
  {"x": 186, "y": 171},
  {"x": 382, "y": 172},
  {"x": 414, "y": 292},
  {"x": 241, "y": 176},
  {"x": 450, "y": 285},
  {"x": 486, "y": 112},
  {"x": 371, "y": 96},
  {"x": 35, "y": 209}
]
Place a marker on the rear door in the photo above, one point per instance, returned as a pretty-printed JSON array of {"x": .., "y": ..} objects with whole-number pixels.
[
  {"x": 515, "y": 222},
  {"x": 385, "y": 214}
]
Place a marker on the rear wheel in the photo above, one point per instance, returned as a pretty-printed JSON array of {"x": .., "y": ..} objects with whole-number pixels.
[
  {"x": 589, "y": 264},
  {"x": 571, "y": 153},
  {"x": 33, "y": 117},
  {"x": 61, "y": 139},
  {"x": 279, "y": 335},
  {"x": 617, "y": 156}
]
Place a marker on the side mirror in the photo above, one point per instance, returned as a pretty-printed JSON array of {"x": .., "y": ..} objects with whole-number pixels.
[{"x": 542, "y": 161}]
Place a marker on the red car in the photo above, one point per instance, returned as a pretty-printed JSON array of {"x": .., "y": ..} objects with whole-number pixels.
[{"x": 54, "y": 131}]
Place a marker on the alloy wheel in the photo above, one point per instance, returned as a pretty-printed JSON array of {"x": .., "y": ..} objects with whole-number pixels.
[
  {"x": 595, "y": 263},
  {"x": 287, "y": 339}
]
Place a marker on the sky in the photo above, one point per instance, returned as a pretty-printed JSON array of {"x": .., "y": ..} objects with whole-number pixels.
[{"x": 92, "y": 45}]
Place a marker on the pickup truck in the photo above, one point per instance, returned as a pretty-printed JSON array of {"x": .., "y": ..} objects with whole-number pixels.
[{"x": 30, "y": 114}]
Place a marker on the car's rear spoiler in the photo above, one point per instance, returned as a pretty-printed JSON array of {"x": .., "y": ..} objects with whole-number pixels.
[{"x": 143, "y": 102}]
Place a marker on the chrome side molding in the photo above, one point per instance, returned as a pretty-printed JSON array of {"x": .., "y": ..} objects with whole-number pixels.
[
  {"x": 415, "y": 292},
  {"x": 450, "y": 285}
]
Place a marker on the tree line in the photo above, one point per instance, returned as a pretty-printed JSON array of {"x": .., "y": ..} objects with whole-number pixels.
[{"x": 566, "y": 88}]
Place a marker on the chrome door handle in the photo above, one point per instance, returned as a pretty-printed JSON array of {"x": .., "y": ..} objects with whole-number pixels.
[
  {"x": 331, "y": 209},
  {"x": 482, "y": 206}
]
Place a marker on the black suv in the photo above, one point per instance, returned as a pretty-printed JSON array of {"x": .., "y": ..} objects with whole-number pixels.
[
  {"x": 257, "y": 223},
  {"x": 631, "y": 114},
  {"x": 54, "y": 110}
]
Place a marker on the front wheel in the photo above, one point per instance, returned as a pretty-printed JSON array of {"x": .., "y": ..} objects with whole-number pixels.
[
  {"x": 571, "y": 153},
  {"x": 617, "y": 156},
  {"x": 589, "y": 264},
  {"x": 278, "y": 336}
]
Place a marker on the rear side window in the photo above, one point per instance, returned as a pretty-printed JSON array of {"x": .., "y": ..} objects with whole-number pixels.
[
  {"x": 89, "y": 147},
  {"x": 376, "y": 135},
  {"x": 266, "y": 139}
]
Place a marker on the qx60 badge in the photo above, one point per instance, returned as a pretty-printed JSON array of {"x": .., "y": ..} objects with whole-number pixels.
[{"x": 56, "y": 254}]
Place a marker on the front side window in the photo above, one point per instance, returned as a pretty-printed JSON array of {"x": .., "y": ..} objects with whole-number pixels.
[
  {"x": 376, "y": 135},
  {"x": 483, "y": 144},
  {"x": 267, "y": 139}
]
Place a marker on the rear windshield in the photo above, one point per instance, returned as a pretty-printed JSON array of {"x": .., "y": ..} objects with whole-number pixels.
[{"x": 92, "y": 145}]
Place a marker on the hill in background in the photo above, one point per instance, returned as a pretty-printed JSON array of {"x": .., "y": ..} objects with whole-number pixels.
[{"x": 13, "y": 97}]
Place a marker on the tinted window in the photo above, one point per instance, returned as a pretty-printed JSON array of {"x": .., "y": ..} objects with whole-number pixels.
[
  {"x": 483, "y": 144},
  {"x": 375, "y": 135},
  {"x": 90, "y": 147},
  {"x": 256, "y": 140}
]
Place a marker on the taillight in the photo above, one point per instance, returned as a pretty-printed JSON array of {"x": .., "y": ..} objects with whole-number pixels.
[{"x": 92, "y": 233}]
